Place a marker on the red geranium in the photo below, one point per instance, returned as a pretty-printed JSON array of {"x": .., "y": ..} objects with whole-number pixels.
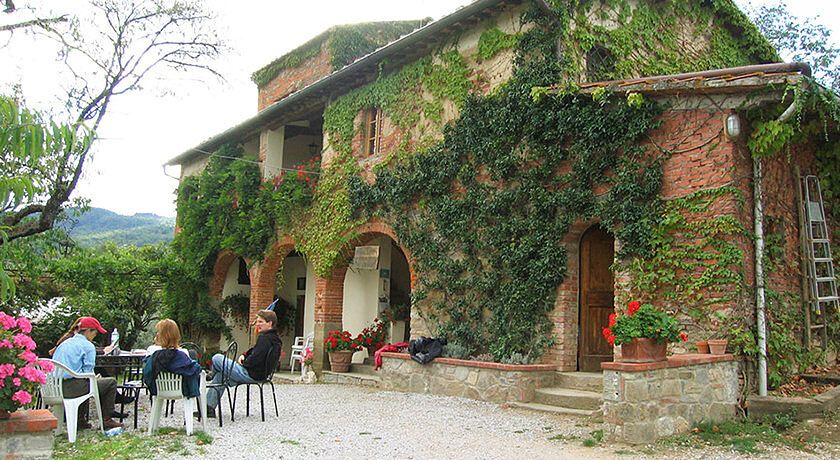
[
  {"x": 633, "y": 307},
  {"x": 340, "y": 341},
  {"x": 373, "y": 336}
]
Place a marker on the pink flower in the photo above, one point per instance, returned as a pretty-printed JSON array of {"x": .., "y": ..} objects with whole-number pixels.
[
  {"x": 8, "y": 322},
  {"x": 6, "y": 370},
  {"x": 32, "y": 374},
  {"x": 22, "y": 396},
  {"x": 24, "y": 341},
  {"x": 5, "y": 343},
  {"x": 16, "y": 381},
  {"x": 28, "y": 356},
  {"x": 24, "y": 325},
  {"x": 47, "y": 366}
]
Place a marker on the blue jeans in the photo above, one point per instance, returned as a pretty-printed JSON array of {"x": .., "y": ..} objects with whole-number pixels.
[{"x": 238, "y": 375}]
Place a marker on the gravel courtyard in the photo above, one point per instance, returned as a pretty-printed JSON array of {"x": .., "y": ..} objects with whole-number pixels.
[{"x": 339, "y": 421}]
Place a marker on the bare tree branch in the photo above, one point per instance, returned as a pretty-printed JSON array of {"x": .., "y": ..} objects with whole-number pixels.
[{"x": 33, "y": 23}]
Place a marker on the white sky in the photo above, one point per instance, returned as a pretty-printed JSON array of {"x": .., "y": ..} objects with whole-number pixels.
[{"x": 143, "y": 130}]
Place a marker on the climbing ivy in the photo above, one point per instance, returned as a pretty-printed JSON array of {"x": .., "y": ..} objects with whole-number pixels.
[
  {"x": 346, "y": 43},
  {"x": 493, "y": 41}
]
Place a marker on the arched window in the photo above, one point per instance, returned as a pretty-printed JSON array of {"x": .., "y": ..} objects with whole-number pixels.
[{"x": 600, "y": 64}]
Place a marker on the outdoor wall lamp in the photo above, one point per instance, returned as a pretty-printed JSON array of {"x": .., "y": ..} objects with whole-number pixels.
[{"x": 733, "y": 126}]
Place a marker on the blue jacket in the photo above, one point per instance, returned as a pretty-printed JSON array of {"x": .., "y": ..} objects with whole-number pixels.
[{"x": 175, "y": 361}]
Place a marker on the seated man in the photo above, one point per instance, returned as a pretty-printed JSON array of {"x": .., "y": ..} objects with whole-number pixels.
[
  {"x": 79, "y": 355},
  {"x": 251, "y": 366}
]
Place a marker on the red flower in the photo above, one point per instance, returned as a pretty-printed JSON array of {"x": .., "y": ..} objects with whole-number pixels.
[
  {"x": 369, "y": 341},
  {"x": 683, "y": 336},
  {"x": 632, "y": 307},
  {"x": 611, "y": 340},
  {"x": 606, "y": 332},
  {"x": 613, "y": 319}
]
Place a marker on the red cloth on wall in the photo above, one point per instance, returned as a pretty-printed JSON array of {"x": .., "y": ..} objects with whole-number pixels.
[{"x": 377, "y": 357}]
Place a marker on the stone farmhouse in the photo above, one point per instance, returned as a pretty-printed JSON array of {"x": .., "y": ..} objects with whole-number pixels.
[{"x": 510, "y": 174}]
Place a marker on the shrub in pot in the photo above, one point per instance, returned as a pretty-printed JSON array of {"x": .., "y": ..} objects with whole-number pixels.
[
  {"x": 340, "y": 346},
  {"x": 643, "y": 333}
]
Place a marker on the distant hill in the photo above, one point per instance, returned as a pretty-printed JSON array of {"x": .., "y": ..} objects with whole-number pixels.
[{"x": 97, "y": 226}]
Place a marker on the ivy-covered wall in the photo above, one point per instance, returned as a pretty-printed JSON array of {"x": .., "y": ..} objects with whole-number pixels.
[{"x": 484, "y": 177}]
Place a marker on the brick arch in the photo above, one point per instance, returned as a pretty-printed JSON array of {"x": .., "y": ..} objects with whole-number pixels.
[
  {"x": 264, "y": 275},
  {"x": 566, "y": 314},
  {"x": 373, "y": 229},
  {"x": 220, "y": 269}
]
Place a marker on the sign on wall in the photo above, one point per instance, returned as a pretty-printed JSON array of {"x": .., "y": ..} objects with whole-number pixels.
[{"x": 366, "y": 258}]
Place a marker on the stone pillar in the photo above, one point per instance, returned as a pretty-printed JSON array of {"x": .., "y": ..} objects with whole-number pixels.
[
  {"x": 28, "y": 435},
  {"x": 329, "y": 304}
]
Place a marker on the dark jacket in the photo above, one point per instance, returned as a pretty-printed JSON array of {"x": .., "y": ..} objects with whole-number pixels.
[
  {"x": 263, "y": 357},
  {"x": 424, "y": 350},
  {"x": 177, "y": 362}
]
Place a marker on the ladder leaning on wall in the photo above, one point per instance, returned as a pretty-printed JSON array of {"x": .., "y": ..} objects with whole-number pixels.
[{"x": 819, "y": 265}]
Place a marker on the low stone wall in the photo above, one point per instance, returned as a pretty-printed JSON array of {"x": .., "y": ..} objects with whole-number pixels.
[
  {"x": 28, "y": 435},
  {"x": 492, "y": 382},
  {"x": 647, "y": 401}
]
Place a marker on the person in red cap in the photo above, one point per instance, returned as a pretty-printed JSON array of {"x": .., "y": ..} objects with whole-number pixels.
[{"x": 79, "y": 355}]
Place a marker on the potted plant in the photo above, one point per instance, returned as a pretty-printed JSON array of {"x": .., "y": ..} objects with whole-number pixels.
[
  {"x": 643, "y": 333},
  {"x": 307, "y": 375},
  {"x": 20, "y": 370},
  {"x": 373, "y": 337},
  {"x": 340, "y": 346}
]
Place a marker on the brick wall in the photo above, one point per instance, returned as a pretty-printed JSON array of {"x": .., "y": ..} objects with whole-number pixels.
[{"x": 290, "y": 80}]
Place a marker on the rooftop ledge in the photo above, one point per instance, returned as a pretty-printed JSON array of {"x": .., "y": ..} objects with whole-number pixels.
[
  {"x": 689, "y": 359},
  {"x": 480, "y": 364}
]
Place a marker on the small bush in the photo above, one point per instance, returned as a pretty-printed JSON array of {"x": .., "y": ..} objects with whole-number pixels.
[
  {"x": 517, "y": 358},
  {"x": 456, "y": 350}
]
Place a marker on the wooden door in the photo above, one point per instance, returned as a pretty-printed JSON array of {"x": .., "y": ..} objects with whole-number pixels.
[
  {"x": 596, "y": 298},
  {"x": 300, "y": 307}
]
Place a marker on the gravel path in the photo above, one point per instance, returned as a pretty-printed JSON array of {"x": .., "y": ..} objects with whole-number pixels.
[{"x": 340, "y": 421}]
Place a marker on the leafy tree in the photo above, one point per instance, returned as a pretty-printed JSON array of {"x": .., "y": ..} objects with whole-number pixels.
[
  {"x": 109, "y": 50},
  {"x": 799, "y": 39},
  {"x": 29, "y": 145},
  {"x": 120, "y": 285}
]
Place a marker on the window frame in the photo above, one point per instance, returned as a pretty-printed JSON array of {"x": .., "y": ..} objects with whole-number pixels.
[{"x": 372, "y": 131}]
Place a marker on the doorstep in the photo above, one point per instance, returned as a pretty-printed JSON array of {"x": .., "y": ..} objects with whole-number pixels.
[{"x": 351, "y": 378}]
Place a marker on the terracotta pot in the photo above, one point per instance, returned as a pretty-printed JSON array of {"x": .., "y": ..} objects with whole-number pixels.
[
  {"x": 4, "y": 414},
  {"x": 718, "y": 347},
  {"x": 340, "y": 360},
  {"x": 702, "y": 347},
  {"x": 643, "y": 351}
]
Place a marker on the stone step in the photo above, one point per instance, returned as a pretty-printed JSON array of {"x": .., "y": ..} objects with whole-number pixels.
[
  {"x": 363, "y": 369},
  {"x": 585, "y": 381},
  {"x": 594, "y": 414},
  {"x": 350, "y": 378},
  {"x": 572, "y": 399},
  {"x": 286, "y": 377}
]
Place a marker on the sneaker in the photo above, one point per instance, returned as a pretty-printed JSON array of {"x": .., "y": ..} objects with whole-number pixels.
[{"x": 109, "y": 423}]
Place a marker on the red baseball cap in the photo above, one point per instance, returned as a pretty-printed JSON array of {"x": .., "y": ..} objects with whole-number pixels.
[{"x": 89, "y": 322}]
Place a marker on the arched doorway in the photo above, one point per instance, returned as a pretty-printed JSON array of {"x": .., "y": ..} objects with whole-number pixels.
[{"x": 597, "y": 252}]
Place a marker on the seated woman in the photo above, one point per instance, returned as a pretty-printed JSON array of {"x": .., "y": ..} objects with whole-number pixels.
[
  {"x": 170, "y": 359},
  {"x": 253, "y": 364}
]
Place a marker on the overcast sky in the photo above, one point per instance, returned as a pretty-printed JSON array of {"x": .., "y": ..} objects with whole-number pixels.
[{"x": 145, "y": 129}]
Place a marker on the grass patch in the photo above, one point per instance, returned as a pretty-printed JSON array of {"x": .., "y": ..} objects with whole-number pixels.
[
  {"x": 563, "y": 437},
  {"x": 92, "y": 445},
  {"x": 290, "y": 442},
  {"x": 742, "y": 436},
  {"x": 594, "y": 438}
]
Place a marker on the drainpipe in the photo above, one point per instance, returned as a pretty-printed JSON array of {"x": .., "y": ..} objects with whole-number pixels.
[
  {"x": 758, "y": 217},
  {"x": 760, "y": 300}
]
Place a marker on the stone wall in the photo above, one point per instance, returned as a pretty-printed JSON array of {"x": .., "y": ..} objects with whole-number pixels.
[
  {"x": 647, "y": 401},
  {"x": 484, "y": 381},
  {"x": 27, "y": 435}
]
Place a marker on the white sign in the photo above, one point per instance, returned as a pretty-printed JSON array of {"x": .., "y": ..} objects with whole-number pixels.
[{"x": 366, "y": 258}]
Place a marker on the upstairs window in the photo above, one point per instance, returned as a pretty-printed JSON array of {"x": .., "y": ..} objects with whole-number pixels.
[
  {"x": 600, "y": 64},
  {"x": 372, "y": 131}
]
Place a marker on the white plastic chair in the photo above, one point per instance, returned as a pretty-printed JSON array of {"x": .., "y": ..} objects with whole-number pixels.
[
  {"x": 52, "y": 395},
  {"x": 301, "y": 344},
  {"x": 169, "y": 388}
]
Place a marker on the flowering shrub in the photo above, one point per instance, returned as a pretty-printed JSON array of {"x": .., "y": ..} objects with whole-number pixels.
[
  {"x": 308, "y": 357},
  {"x": 20, "y": 370},
  {"x": 340, "y": 341},
  {"x": 643, "y": 321},
  {"x": 373, "y": 336}
]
